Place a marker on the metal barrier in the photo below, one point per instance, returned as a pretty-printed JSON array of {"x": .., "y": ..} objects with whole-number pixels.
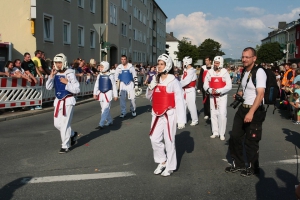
[{"x": 18, "y": 92}]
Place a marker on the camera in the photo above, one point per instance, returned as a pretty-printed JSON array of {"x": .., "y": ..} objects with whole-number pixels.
[{"x": 237, "y": 101}]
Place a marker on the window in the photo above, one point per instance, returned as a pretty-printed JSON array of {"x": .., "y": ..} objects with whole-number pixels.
[
  {"x": 48, "y": 28},
  {"x": 92, "y": 39},
  {"x": 80, "y": 33},
  {"x": 135, "y": 34},
  {"x": 151, "y": 7},
  {"x": 123, "y": 51},
  {"x": 130, "y": 2},
  {"x": 81, "y": 3},
  {"x": 124, "y": 5},
  {"x": 113, "y": 14},
  {"x": 135, "y": 12},
  {"x": 144, "y": 19},
  {"x": 124, "y": 29},
  {"x": 130, "y": 22},
  {"x": 67, "y": 32},
  {"x": 140, "y": 16},
  {"x": 129, "y": 41},
  {"x": 68, "y": 0},
  {"x": 92, "y": 6}
]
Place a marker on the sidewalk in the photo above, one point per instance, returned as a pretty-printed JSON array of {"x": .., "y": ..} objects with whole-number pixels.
[{"x": 48, "y": 107}]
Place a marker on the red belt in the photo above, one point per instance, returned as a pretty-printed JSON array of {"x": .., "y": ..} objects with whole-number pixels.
[
  {"x": 64, "y": 106},
  {"x": 104, "y": 95},
  {"x": 215, "y": 100},
  {"x": 155, "y": 122}
]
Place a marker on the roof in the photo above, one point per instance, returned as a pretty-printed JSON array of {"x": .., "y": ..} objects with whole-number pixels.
[{"x": 170, "y": 37}]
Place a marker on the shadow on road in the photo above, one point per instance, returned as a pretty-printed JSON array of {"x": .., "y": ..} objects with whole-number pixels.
[
  {"x": 267, "y": 188},
  {"x": 184, "y": 143},
  {"x": 292, "y": 136},
  {"x": 7, "y": 191}
]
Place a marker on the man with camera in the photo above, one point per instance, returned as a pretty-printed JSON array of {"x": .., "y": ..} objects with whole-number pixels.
[
  {"x": 247, "y": 122},
  {"x": 217, "y": 83}
]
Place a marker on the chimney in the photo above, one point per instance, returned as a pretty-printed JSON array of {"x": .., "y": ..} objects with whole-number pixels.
[
  {"x": 171, "y": 33},
  {"x": 282, "y": 25}
]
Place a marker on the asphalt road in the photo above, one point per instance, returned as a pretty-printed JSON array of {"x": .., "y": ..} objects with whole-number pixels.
[{"x": 29, "y": 155}]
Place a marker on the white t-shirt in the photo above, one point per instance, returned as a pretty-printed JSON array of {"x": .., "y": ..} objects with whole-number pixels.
[{"x": 250, "y": 92}]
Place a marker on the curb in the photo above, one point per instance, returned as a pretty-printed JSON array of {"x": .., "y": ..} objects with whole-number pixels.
[{"x": 37, "y": 112}]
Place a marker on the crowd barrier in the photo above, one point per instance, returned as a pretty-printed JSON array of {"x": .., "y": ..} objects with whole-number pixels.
[{"x": 18, "y": 92}]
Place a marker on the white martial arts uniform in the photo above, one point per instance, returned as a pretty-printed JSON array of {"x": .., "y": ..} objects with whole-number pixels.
[
  {"x": 63, "y": 122},
  {"x": 219, "y": 114},
  {"x": 166, "y": 151},
  {"x": 188, "y": 83},
  {"x": 127, "y": 90},
  {"x": 105, "y": 99}
]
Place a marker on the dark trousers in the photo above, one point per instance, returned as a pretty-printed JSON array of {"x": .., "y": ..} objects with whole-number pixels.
[
  {"x": 206, "y": 105},
  {"x": 250, "y": 134}
]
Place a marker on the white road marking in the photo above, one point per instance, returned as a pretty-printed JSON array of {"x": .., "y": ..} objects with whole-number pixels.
[
  {"x": 77, "y": 177},
  {"x": 288, "y": 161}
]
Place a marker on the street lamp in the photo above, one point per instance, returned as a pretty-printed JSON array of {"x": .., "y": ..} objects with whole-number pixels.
[{"x": 287, "y": 43}]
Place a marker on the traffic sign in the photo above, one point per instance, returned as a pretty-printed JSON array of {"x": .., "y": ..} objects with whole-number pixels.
[{"x": 100, "y": 28}]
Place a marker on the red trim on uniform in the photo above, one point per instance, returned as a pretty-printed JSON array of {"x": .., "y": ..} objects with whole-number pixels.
[
  {"x": 14, "y": 82},
  {"x": 155, "y": 123},
  {"x": 64, "y": 106},
  {"x": 3, "y": 82}
]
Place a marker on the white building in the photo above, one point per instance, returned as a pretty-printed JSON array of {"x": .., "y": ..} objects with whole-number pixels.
[{"x": 172, "y": 44}]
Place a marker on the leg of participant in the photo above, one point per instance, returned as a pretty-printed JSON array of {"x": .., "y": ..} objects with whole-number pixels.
[
  {"x": 157, "y": 141},
  {"x": 105, "y": 112},
  {"x": 170, "y": 142},
  {"x": 123, "y": 95},
  {"x": 214, "y": 117},
  {"x": 222, "y": 119},
  {"x": 206, "y": 105},
  {"x": 191, "y": 104}
]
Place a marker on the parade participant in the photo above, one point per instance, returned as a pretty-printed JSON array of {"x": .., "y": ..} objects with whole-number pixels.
[
  {"x": 166, "y": 95},
  {"x": 65, "y": 83},
  {"x": 217, "y": 83},
  {"x": 201, "y": 78},
  {"x": 104, "y": 91},
  {"x": 126, "y": 73},
  {"x": 150, "y": 75},
  {"x": 247, "y": 122},
  {"x": 188, "y": 83}
]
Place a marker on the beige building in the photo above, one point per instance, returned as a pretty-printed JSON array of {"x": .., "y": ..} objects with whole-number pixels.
[
  {"x": 135, "y": 28},
  {"x": 51, "y": 26}
]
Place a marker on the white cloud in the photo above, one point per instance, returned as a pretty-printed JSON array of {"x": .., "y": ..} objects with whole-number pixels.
[
  {"x": 231, "y": 33},
  {"x": 251, "y": 10}
]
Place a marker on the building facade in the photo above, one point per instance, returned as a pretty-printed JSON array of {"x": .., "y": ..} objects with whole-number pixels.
[
  {"x": 287, "y": 33},
  {"x": 172, "y": 42},
  {"x": 135, "y": 28},
  {"x": 57, "y": 26}
]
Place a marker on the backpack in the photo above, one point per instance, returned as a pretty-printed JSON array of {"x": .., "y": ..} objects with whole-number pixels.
[{"x": 272, "y": 89}]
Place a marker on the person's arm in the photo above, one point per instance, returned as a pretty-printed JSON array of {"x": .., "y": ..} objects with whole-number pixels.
[
  {"x": 135, "y": 79},
  {"x": 187, "y": 79},
  {"x": 96, "y": 89},
  {"x": 72, "y": 85},
  {"x": 30, "y": 76},
  {"x": 290, "y": 77},
  {"x": 200, "y": 80},
  {"x": 206, "y": 83},
  {"x": 114, "y": 87},
  {"x": 179, "y": 102},
  {"x": 228, "y": 85},
  {"x": 146, "y": 80}
]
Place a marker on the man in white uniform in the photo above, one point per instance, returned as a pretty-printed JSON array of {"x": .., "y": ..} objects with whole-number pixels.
[
  {"x": 188, "y": 83},
  {"x": 217, "y": 83},
  {"x": 65, "y": 83},
  {"x": 125, "y": 72}
]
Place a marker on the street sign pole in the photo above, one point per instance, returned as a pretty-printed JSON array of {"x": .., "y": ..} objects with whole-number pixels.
[{"x": 100, "y": 29}]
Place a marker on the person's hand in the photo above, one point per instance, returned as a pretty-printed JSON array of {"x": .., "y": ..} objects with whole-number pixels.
[
  {"x": 152, "y": 85},
  {"x": 115, "y": 98},
  {"x": 63, "y": 80},
  {"x": 29, "y": 80},
  {"x": 35, "y": 81},
  {"x": 53, "y": 72},
  {"x": 213, "y": 91},
  {"x": 95, "y": 97},
  {"x": 181, "y": 126},
  {"x": 248, "y": 118}
]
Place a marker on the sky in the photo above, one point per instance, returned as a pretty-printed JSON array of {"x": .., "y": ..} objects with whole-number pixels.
[{"x": 235, "y": 24}]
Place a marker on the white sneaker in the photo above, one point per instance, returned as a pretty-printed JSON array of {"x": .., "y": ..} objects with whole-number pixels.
[
  {"x": 122, "y": 115},
  {"x": 133, "y": 113},
  {"x": 222, "y": 137},
  {"x": 160, "y": 168},
  {"x": 167, "y": 173},
  {"x": 194, "y": 123},
  {"x": 206, "y": 117},
  {"x": 108, "y": 123},
  {"x": 214, "y": 136}
]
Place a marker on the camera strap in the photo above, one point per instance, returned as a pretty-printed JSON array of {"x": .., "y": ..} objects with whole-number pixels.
[{"x": 249, "y": 76}]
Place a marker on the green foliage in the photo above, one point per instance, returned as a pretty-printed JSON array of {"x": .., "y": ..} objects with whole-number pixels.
[
  {"x": 210, "y": 48},
  {"x": 269, "y": 53},
  {"x": 185, "y": 48}
]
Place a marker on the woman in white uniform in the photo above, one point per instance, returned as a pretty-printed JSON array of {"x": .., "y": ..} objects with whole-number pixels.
[{"x": 168, "y": 108}]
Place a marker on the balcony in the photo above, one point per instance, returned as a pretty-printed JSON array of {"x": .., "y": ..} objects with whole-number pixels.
[
  {"x": 154, "y": 49},
  {"x": 154, "y": 33}
]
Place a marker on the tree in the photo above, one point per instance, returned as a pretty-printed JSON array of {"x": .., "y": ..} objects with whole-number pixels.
[
  {"x": 269, "y": 53},
  {"x": 210, "y": 48},
  {"x": 185, "y": 48}
]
